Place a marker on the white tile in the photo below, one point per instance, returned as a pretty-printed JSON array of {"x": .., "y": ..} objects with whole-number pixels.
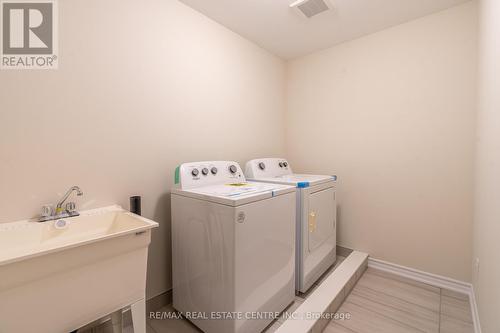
[
  {"x": 350, "y": 284},
  {"x": 402, "y": 290},
  {"x": 333, "y": 327},
  {"x": 387, "y": 299},
  {"x": 364, "y": 320},
  {"x": 321, "y": 299},
  {"x": 405, "y": 315},
  {"x": 337, "y": 302},
  {"x": 453, "y": 325},
  {"x": 403, "y": 279},
  {"x": 320, "y": 325},
  {"x": 456, "y": 308},
  {"x": 361, "y": 270}
]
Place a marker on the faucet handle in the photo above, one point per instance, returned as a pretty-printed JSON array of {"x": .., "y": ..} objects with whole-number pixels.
[
  {"x": 47, "y": 210},
  {"x": 70, "y": 206}
]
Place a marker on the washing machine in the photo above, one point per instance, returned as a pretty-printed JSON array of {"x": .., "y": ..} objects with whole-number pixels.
[
  {"x": 233, "y": 247},
  {"x": 316, "y": 216}
]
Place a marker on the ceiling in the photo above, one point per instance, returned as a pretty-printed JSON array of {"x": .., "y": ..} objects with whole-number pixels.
[{"x": 279, "y": 29}]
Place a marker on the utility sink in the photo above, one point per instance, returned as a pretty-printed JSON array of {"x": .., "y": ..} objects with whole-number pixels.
[{"x": 60, "y": 275}]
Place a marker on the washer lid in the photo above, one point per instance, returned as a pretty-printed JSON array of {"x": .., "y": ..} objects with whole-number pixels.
[
  {"x": 236, "y": 194},
  {"x": 298, "y": 180}
]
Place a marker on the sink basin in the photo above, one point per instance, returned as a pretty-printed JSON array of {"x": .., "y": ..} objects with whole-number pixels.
[
  {"x": 21, "y": 240},
  {"x": 57, "y": 276}
]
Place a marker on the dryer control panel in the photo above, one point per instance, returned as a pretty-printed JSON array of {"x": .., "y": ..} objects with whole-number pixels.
[
  {"x": 198, "y": 174},
  {"x": 267, "y": 167}
]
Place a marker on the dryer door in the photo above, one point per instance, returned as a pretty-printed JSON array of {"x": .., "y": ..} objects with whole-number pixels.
[{"x": 321, "y": 218}]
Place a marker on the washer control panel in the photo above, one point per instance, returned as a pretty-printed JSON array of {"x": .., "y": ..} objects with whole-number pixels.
[
  {"x": 198, "y": 174},
  {"x": 267, "y": 167}
]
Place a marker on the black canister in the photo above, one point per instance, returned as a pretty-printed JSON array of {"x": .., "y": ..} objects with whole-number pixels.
[{"x": 135, "y": 204}]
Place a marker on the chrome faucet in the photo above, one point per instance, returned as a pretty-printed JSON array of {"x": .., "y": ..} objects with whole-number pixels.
[
  {"x": 65, "y": 197},
  {"x": 48, "y": 214}
]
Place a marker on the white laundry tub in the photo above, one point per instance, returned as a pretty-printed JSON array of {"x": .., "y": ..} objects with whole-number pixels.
[{"x": 55, "y": 280}]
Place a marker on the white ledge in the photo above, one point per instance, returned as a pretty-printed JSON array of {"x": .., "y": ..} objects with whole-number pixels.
[{"x": 306, "y": 316}]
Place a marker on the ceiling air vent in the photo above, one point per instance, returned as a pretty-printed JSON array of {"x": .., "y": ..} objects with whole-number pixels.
[{"x": 310, "y": 8}]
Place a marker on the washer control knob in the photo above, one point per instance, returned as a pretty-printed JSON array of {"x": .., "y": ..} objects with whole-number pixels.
[
  {"x": 195, "y": 172},
  {"x": 262, "y": 166},
  {"x": 281, "y": 164},
  {"x": 213, "y": 170},
  {"x": 204, "y": 171},
  {"x": 285, "y": 164},
  {"x": 233, "y": 169}
]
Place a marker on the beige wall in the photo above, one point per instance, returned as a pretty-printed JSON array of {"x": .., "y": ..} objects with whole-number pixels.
[
  {"x": 145, "y": 86},
  {"x": 487, "y": 194},
  {"x": 142, "y": 86},
  {"x": 393, "y": 114}
]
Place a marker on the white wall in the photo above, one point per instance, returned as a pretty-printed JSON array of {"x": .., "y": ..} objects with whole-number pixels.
[
  {"x": 141, "y": 87},
  {"x": 393, "y": 115},
  {"x": 487, "y": 194}
]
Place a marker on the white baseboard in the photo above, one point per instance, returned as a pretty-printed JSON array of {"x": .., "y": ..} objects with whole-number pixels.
[
  {"x": 434, "y": 280},
  {"x": 475, "y": 311}
]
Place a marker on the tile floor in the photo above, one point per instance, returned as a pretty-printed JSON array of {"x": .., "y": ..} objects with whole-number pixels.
[
  {"x": 301, "y": 297},
  {"x": 380, "y": 302},
  {"x": 184, "y": 326},
  {"x": 386, "y": 303}
]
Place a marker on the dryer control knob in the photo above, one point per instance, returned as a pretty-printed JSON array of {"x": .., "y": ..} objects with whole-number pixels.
[
  {"x": 281, "y": 164},
  {"x": 285, "y": 164},
  {"x": 204, "y": 171},
  {"x": 195, "y": 172},
  {"x": 233, "y": 169},
  {"x": 262, "y": 166},
  {"x": 213, "y": 170}
]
